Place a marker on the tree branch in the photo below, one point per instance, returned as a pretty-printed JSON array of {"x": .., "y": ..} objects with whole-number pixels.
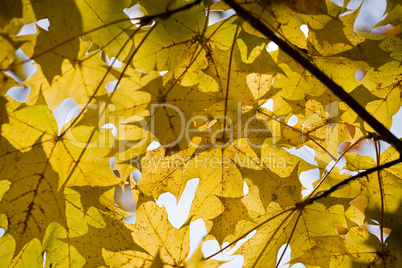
[
  {"x": 346, "y": 181},
  {"x": 145, "y": 20},
  {"x": 336, "y": 89}
]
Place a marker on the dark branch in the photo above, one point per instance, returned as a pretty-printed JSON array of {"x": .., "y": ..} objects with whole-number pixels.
[
  {"x": 145, "y": 20},
  {"x": 337, "y": 90},
  {"x": 346, "y": 181}
]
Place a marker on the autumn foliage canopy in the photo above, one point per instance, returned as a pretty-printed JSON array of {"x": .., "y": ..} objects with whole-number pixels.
[{"x": 223, "y": 108}]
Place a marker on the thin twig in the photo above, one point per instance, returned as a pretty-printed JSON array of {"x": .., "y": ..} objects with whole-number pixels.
[
  {"x": 337, "y": 161},
  {"x": 290, "y": 237},
  {"x": 346, "y": 181},
  {"x": 292, "y": 209},
  {"x": 336, "y": 89},
  {"x": 228, "y": 79},
  {"x": 378, "y": 155}
]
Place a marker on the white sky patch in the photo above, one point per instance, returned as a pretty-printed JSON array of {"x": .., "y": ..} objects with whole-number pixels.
[
  {"x": 27, "y": 29},
  {"x": 44, "y": 24},
  {"x": 375, "y": 230},
  {"x": 216, "y": 16},
  {"x": 360, "y": 74},
  {"x": 338, "y": 2},
  {"x": 346, "y": 13},
  {"x": 332, "y": 163},
  {"x": 272, "y": 47},
  {"x": 384, "y": 146},
  {"x": 236, "y": 262},
  {"x": 198, "y": 231},
  {"x": 304, "y": 29},
  {"x": 286, "y": 258},
  {"x": 30, "y": 28},
  {"x": 130, "y": 219},
  {"x": 2, "y": 232},
  {"x": 292, "y": 120},
  {"x": 178, "y": 211},
  {"x": 396, "y": 128},
  {"x": 113, "y": 62},
  {"x": 20, "y": 94},
  {"x": 269, "y": 104},
  {"x": 14, "y": 76},
  {"x": 123, "y": 198},
  {"x": 307, "y": 178},
  {"x": 44, "y": 258},
  {"x": 134, "y": 12},
  {"x": 367, "y": 148},
  {"x": 111, "y": 86},
  {"x": 153, "y": 145},
  {"x": 112, "y": 162},
  {"x": 136, "y": 175},
  {"x": 110, "y": 126},
  {"x": 354, "y": 4},
  {"x": 371, "y": 12},
  {"x": 28, "y": 68},
  {"x": 162, "y": 73},
  {"x": 245, "y": 188},
  {"x": 212, "y": 246},
  {"x": 66, "y": 111},
  {"x": 306, "y": 153},
  {"x": 340, "y": 165}
]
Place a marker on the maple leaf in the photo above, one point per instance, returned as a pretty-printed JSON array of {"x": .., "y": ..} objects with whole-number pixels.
[
  {"x": 359, "y": 240},
  {"x": 224, "y": 224},
  {"x": 153, "y": 231},
  {"x": 59, "y": 253},
  {"x": 273, "y": 188},
  {"x": 35, "y": 174},
  {"x": 41, "y": 126},
  {"x": 171, "y": 44},
  {"x": 46, "y": 40},
  {"x": 80, "y": 17},
  {"x": 262, "y": 256},
  {"x": 81, "y": 80},
  {"x": 112, "y": 235},
  {"x": 174, "y": 105},
  {"x": 36, "y": 181}
]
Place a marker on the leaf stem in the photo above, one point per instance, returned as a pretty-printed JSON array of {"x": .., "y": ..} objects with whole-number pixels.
[
  {"x": 290, "y": 237},
  {"x": 207, "y": 18},
  {"x": 378, "y": 153},
  {"x": 272, "y": 236},
  {"x": 228, "y": 79},
  {"x": 255, "y": 228},
  {"x": 70, "y": 174}
]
